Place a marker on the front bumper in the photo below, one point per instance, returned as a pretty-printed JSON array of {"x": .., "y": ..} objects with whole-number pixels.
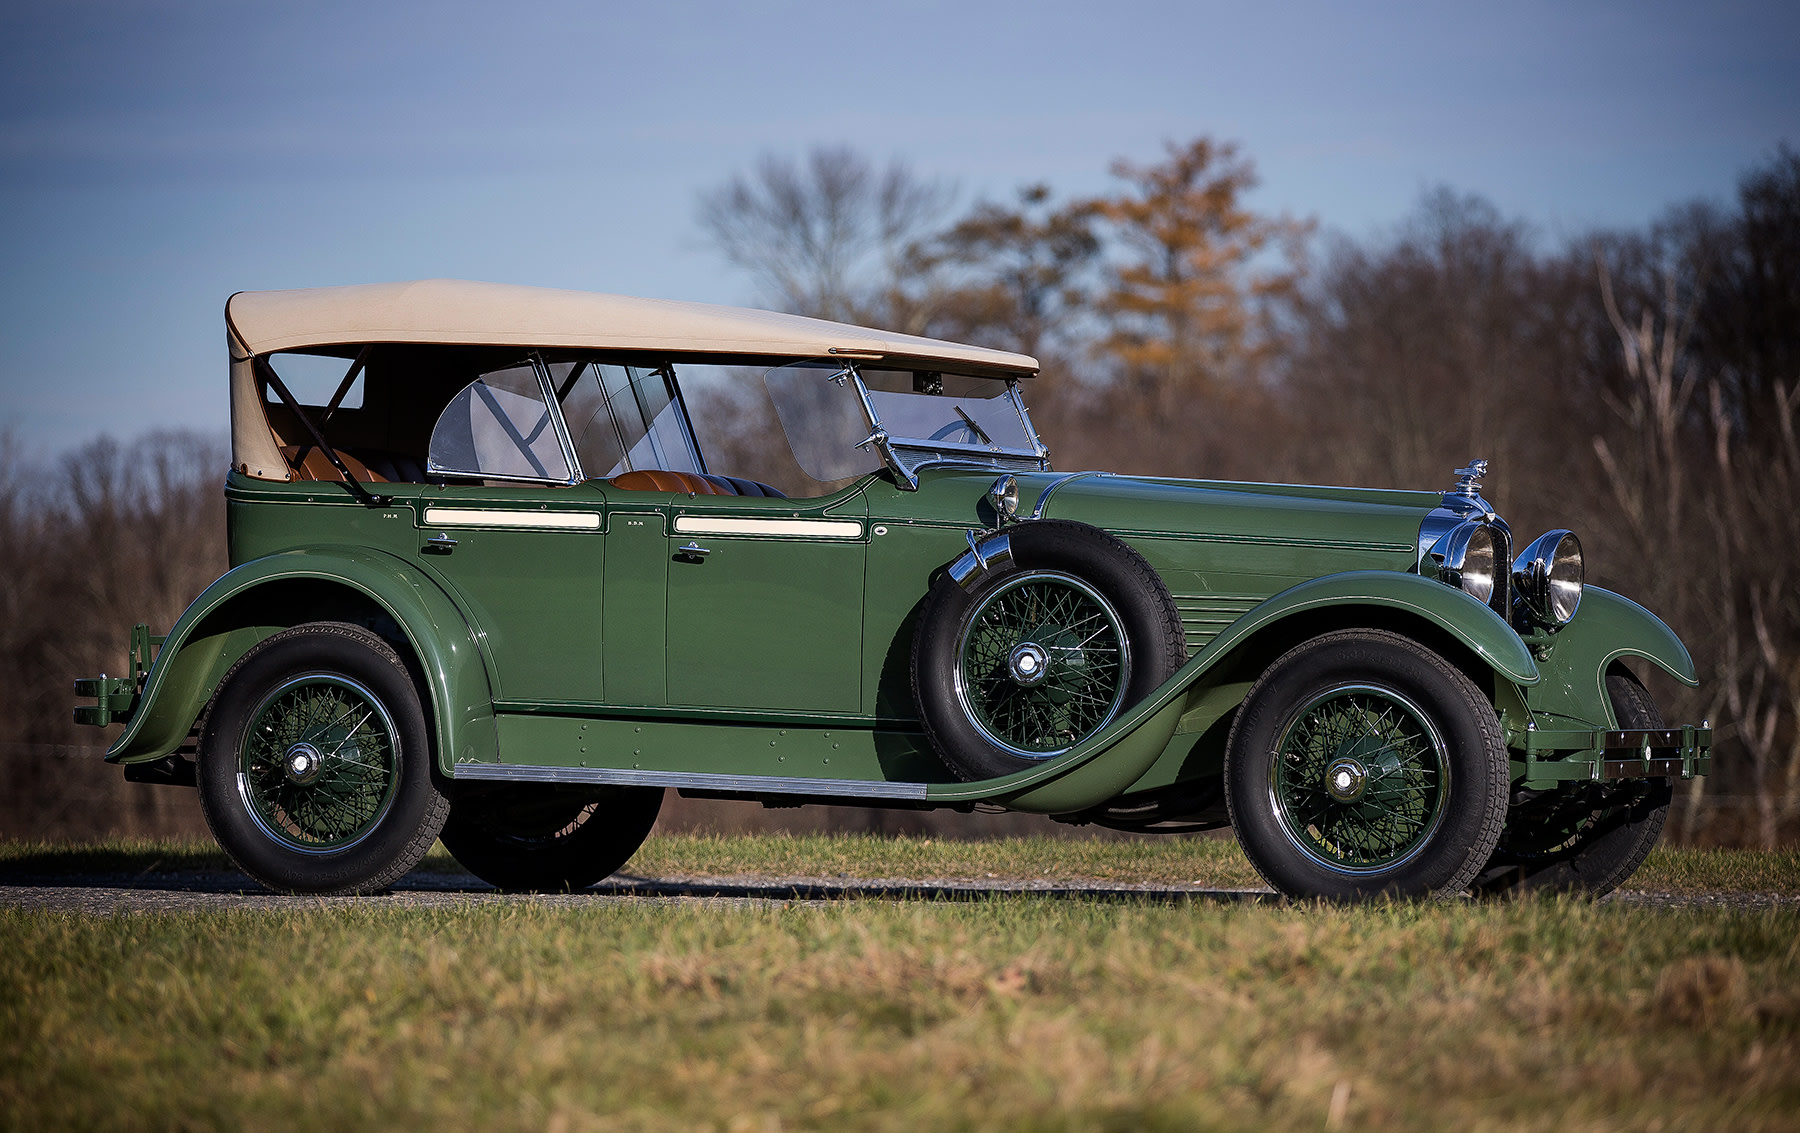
[{"x": 1556, "y": 756}]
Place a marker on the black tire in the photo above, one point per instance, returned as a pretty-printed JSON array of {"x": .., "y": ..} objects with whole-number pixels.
[
  {"x": 538, "y": 838},
  {"x": 984, "y": 723},
  {"x": 1589, "y": 838},
  {"x": 1364, "y": 764},
  {"x": 303, "y": 798}
]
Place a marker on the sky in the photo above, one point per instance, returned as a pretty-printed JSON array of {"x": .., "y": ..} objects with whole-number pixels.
[{"x": 156, "y": 157}]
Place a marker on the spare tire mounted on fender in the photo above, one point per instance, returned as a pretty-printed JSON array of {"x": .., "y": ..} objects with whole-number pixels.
[{"x": 1037, "y": 655}]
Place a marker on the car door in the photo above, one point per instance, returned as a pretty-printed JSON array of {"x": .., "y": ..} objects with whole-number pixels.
[
  {"x": 765, "y": 604},
  {"x": 515, "y": 540}
]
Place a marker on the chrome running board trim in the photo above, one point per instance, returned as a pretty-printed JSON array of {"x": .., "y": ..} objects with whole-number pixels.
[{"x": 696, "y": 781}]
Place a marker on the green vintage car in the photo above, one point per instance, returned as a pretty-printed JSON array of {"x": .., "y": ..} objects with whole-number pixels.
[{"x": 485, "y": 587}]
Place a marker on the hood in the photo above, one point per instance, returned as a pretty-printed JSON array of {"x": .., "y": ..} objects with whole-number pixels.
[{"x": 1364, "y": 519}]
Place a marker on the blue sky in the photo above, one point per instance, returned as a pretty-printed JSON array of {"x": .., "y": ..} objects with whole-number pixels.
[{"x": 155, "y": 157}]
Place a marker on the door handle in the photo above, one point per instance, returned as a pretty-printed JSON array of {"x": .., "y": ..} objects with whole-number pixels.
[
  {"x": 693, "y": 553},
  {"x": 439, "y": 544}
]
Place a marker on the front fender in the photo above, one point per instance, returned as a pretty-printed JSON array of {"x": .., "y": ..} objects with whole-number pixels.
[
  {"x": 1112, "y": 759},
  {"x": 228, "y": 618},
  {"x": 1606, "y": 626},
  {"x": 1469, "y": 621}
]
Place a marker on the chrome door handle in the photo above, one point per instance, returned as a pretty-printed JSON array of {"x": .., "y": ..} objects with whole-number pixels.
[
  {"x": 440, "y": 543},
  {"x": 693, "y": 553}
]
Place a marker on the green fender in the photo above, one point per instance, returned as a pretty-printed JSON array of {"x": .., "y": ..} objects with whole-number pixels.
[
  {"x": 1606, "y": 626},
  {"x": 227, "y": 620},
  {"x": 1112, "y": 759}
]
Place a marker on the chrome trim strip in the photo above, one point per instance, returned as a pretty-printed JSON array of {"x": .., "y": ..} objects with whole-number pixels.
[
  {"x": 510, "y": 517},
  {"x": 735, "y": 525},
  {"x": 693, "y": 780},
  {"x": 1043, "y": 500},
  {"x": 554, "y": 407}
]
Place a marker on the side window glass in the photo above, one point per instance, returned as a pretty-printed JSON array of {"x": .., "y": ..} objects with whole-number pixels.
[
  {"x": 498, "y": 427},
  {"x": 585, "y": 412},
  {"x": 313, "y": 379},
  {"x": 623, "y": 418}
]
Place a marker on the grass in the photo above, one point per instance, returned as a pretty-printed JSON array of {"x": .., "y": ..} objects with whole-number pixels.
[
  {"x": 1016, "y": 1011},
  {"x": 1205, "y": 862}
]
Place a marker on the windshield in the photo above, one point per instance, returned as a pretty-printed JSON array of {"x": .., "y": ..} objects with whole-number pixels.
[{"x": 839, "y": 427}]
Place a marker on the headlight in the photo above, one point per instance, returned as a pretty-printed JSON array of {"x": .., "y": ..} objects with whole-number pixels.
[
  {"x": 1004, "y": 496},
  {"x": 1548, "y": 575},
  {"x": 1469, "y": 557}
]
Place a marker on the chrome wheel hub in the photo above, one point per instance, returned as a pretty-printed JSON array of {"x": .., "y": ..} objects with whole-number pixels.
[
  {"x": 1346, "y": 780},
  {"x": 302, "y": 763},
  {"x": 1028, "y": 664}
]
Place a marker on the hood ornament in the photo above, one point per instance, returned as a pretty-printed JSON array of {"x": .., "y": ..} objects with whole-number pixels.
[{"x": 1468, "y": 479}]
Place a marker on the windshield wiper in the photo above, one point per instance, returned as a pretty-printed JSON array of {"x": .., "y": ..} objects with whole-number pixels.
[{"x": 980, "y": 433}]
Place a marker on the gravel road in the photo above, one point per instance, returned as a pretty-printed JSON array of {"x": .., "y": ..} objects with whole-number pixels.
[{"x": 106, "y": 894}]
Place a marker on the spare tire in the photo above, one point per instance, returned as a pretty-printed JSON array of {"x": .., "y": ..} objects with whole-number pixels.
[{"x": 1039, "y": 653}]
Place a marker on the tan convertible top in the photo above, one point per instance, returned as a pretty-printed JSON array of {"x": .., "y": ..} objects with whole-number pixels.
[
  {"x": 499, "y": 314},
  {"x": 459, "y": 312}
]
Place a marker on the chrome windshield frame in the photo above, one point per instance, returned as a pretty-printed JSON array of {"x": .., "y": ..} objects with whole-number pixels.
[{"x": 906, "y": 472}]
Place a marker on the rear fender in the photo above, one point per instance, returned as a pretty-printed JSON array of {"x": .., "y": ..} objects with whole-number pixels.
[
  {"x": 1110, "y": 761},
  {"x": 255, "y": 600}
]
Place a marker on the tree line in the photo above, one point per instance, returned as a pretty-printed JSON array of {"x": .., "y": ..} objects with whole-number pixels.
[{"x": 1639, "y": 386}]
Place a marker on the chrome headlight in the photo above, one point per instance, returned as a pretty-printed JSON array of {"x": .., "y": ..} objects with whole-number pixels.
[
  {"x": 1004, "y": 496},
  {"x": 1548, "y": 575},
  {"x": 1469, "y": 557}
]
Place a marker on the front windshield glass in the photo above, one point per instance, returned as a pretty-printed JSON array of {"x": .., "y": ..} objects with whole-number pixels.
[
  {"x": 826, "y": 409},
  {"x": 823, "y": 421}
]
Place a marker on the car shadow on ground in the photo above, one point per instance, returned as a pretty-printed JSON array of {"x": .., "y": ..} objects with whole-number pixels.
[{"x": 146, "y": 875}]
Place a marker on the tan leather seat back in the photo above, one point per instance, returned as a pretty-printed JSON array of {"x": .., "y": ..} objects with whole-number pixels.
[{"x": 660, "y": 480}]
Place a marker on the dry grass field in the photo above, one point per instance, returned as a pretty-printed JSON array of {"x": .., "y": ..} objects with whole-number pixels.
[{"x": 1013, "y": 1011}]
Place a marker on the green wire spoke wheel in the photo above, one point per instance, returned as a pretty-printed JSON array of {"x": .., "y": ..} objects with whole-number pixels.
[
  {"x": 317, "y": 767},
  {"x": 1041, "y": 648},
  {"x": 315, "y": 763},
  {"x": 1363, "y": 763},
  {"x": 1043, "y": 660},
  {"x": 1361, "y": 778}
]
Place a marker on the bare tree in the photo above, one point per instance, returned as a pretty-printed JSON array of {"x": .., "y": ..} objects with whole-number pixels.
[
  {"x": 1023, "y": 273},
  {"x": 833, "y": 236}
]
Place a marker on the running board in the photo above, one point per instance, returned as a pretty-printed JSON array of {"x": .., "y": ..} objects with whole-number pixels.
[{"x": 695, "y": 781}]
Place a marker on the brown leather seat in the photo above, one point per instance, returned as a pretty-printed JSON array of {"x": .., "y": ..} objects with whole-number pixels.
[
  {"x": 375, "y": 466},
  {"x": 661, "y": 480},
  {"x": 317, "y": 467}
]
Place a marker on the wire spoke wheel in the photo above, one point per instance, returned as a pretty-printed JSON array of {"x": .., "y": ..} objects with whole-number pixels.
[
  {"x": 317, "y": 767},
  {"x": 1359, "y": 779},
  {"x": 1043, "y": 663}
]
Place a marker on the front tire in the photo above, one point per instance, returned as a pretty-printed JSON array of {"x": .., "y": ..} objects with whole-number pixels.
[
  {"x": 315, "y": 766},
  {"x": 532, "y": 838},
  {"x": 1363, "y": 764},
  {"x": 1589, "y": 838}
]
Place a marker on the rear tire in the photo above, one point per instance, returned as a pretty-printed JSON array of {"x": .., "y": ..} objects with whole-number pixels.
[
  {"x": 1589, "y": 838},
  {"x": 537, "y": 838},
  {"x": 315, "y": 766}
]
